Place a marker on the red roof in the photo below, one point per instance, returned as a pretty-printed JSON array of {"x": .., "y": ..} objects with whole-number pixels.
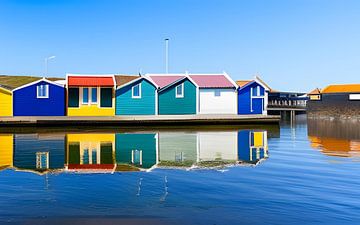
[
  {"x": 212, "y": 81},
  {"x": 88, "y": 81},
  {"x": 165, "y": 80}
]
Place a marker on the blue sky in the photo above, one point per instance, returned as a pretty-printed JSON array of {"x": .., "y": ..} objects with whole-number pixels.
[{"x": 294, "y": 45}]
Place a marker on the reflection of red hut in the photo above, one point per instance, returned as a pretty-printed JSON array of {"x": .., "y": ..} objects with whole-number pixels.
[
  {"x": 97, "y": 167},
  {"x": 91, "y": 153},
  {"x": 335, "y": 146}
]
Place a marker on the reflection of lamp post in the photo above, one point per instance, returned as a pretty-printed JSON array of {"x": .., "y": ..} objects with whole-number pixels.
[
  {"x": 46, "y": 63},
  {"x": 167, "y": 55}
]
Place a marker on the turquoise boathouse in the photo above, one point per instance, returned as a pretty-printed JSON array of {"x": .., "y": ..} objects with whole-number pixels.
[
  {"x": 176, "y": 94},
  {"x": 135, "y": 95}
]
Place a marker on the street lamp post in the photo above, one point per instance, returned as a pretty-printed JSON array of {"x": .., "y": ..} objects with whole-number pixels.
[
  {"x": 167, "y": 55},
  {"x": 46, "y": 63}
]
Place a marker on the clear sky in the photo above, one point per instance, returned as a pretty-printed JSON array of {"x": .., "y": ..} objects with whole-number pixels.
[{"x": 294, "y": 45}]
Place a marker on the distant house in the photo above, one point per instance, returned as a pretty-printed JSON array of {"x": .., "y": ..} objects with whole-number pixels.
[
  {"x": 252, "y": 146},
  {"x": 338, "y": 101},
  {"x": 138, "y": 150},
  {"x": 135, "y": 95},
  {"x": 315, "y": 94},
  {"x": 216, "y": 93},
  {"x": 176, "y": 94},
  {"x": 90, "y": 95},
  {"x": 6, "y": 101},
  {"x": 42, "y": 97},
  {"x": 252, "y": 97}
]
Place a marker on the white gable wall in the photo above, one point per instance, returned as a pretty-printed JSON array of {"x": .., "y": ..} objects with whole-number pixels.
[{"x": 226, "y": 103}]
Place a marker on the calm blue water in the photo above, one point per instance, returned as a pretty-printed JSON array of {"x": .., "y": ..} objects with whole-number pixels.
[{"x": 299, "y": 180}]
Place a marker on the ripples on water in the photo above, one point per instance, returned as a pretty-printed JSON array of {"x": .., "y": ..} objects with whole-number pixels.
[{"x": 299, "y": 174}]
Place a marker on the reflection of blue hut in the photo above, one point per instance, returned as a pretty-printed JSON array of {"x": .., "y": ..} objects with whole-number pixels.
[
  {"x": 39, "y": 152},
  {"x": 139, "y": 150},
  {"x": 252, "y": 146}
]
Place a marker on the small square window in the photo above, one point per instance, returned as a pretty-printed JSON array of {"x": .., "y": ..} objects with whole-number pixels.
[
  {"x": 179, "y": 91},
  {"x": 217, "y": 93},
  {"x": 136, "y": 91},
  {"x": 42, "y": 91}
]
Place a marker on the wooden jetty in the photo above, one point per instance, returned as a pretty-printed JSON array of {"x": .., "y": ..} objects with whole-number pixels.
[{"x": 156, "y": 120}]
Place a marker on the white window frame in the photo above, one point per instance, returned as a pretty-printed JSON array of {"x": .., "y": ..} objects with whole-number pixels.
[
  {"x": 182, "y": 91},
  {"x": 251, "y": 100},
  {"x": 132, "y": 91},
  {"x": 258, "y": 91},
  {"x": 82, "y": 96},
  {"x": 46, "y": 86},
  {"x": 97, "y": 96},
  {"x": 38, "y": 160}
]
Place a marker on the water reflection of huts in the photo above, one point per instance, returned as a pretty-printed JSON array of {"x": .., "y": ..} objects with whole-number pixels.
[
  {"x": 110, "y": 152},
  {"x": 6, "y": 150},
  {"x": 39, "y": 153},
  {"x": 335, "y": 138},
  {"x": 90, "y": 152}
]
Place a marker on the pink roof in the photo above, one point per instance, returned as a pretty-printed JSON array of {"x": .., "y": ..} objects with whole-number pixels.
[
  {"x": 212, "y": 81},
  {"x": 164, "y": 80}
]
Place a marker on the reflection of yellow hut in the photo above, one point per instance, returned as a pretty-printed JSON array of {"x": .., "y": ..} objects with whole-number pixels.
[
  {"x": 6, "y": 150},
  {"x": 90, "y": 152},
  {"x": 335, "y": 146}
]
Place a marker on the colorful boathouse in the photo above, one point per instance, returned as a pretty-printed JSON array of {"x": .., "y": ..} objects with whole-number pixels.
[
  {"x": 176, "y": 94},
  {"x": 90, "y": 95},
  {"x": 252, "y": 97},
  {"x": 135, "y": 95},
  {"x": 42, "y": 97},
  {"x": 216, "y": 93}
]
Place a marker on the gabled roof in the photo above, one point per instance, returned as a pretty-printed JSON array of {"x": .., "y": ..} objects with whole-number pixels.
[
  {"x": 316, "y": 91},
  {"x": 124, "y": 79},
  {"x": 38, "y": 81},
  {"x": 131, "y": 80},
  {"x": 12, "y": 82},
  {"x": 6, "y": 88},
  {"x": 164, "y": 80},
  {"x": 267, "y": 87},
  {"x": 212, "y": 81},
  {"x": 341, "y": 88},
  {"x": 90, "y": 80}
]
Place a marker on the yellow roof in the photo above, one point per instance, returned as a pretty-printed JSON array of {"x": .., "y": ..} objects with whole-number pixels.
[{"x": 341, "y": 88}]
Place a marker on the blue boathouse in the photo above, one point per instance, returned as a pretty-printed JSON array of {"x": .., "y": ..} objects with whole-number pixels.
[
  {"x": 39, "y": 98},
  {"x": 252, "y": 97}
]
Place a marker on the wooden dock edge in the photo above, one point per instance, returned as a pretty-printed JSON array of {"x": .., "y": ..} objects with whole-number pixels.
[{"x": 138, "y": 120}]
